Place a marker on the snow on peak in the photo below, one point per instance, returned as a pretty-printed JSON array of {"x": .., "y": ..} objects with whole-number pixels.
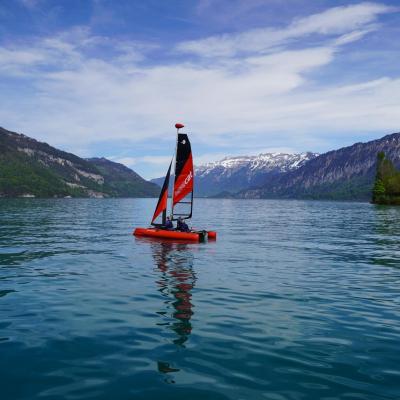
[{"x": 265, "y": 162}]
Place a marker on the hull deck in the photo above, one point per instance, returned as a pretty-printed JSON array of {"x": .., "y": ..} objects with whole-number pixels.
[{"x": 194, "y": 236}]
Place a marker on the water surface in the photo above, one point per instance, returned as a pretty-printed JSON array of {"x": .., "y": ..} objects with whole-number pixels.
[{"x": 295, "y": 300}]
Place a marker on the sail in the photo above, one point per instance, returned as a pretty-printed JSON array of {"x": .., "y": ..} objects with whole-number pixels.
[
  {"x": 183, "y": 169},
  {"x": 162, "y": 200}
]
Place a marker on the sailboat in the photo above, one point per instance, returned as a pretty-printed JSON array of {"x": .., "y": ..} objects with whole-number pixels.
[{"x": 182, "y": 197}]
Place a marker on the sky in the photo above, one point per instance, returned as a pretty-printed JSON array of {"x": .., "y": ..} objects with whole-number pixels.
[{"x": 102, "y": 78}]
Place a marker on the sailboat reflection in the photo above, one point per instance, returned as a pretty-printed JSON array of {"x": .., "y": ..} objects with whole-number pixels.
[{"x": 175, "y": 263}]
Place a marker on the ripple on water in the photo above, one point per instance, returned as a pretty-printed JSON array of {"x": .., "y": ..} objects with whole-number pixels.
[{"x": 295, "y": 300}]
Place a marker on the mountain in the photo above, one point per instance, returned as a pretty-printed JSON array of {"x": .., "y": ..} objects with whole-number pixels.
[
  {"x": 35, "y": 169},
  {"x": 344, "y": 174},
  {"x": 122, "y": 180},
  {"x": 233, "y": 174}
]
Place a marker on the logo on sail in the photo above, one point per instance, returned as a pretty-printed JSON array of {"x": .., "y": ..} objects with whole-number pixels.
[
  {"x": 188, "y": 178},
  {"x": 184, "y": 183}
]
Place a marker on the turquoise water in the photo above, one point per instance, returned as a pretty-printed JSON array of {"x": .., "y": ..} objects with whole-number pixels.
[{"x": 295, "y": 300}]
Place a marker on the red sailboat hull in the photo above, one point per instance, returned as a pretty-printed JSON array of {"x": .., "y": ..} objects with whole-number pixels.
[{"x": 174, "y": 235}]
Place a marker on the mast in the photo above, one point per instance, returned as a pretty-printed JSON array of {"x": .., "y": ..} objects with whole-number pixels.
[{"x": 177, "y": 126}]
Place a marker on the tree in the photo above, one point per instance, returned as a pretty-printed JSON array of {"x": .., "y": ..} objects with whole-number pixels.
[
  {"x": 380, "y": 157},
  {"x": 386, "y": 188},
  {"x": 378, "y": 192}
]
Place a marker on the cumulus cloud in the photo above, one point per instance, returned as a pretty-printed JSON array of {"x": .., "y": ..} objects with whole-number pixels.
[{"x": 78, "y": 89}]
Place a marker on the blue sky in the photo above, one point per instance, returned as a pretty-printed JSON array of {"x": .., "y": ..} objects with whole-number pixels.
[{"x": 110, "y": 78}]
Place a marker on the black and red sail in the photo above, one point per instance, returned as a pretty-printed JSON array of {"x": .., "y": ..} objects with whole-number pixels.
[
  {"x": 183, "y": 185},
  {"x": 163, "y": 199}
]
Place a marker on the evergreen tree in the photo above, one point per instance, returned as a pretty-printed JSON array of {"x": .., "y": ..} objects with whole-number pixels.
[
  {"x": 378, "y": 192},
  {"x": 380, "y": 157},
  {"x": 386, "y": 188}
]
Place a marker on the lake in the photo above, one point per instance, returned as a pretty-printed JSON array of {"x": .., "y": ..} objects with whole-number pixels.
[{"x": 295, "y": 300}]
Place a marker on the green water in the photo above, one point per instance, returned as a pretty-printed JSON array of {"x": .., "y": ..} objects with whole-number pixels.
[{"x": 295, "y": 300}]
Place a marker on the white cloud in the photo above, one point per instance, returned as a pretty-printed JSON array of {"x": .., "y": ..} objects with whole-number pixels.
[
  {"x": 128, "y": 161},
  {"x": 155, "y": 166},
  {"x": 210, "y": 157},
  {"x": 354, "y": 36},
  {"x": 96, "y": 100},
  {"x": 131, "y": 161},
  {"x": 334, "y": 21},
  {"x": 74, "y": 96},
  {"x": 20, "y": 57}
]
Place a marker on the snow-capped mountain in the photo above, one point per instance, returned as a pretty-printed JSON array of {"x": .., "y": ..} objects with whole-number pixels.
[
  {"x": 233, "y": 174},
  {"x": 263, "y": 162}
]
